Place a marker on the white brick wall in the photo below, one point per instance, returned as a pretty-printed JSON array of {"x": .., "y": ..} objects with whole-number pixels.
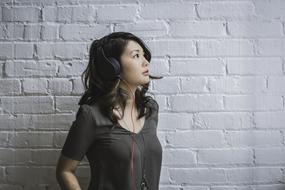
[{"x": 222, "y": 107}]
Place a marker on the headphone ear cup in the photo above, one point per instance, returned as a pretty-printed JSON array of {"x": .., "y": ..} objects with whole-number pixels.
[
  {"x": 116, "y": 66},
  {"x": 108, "y": 69}
]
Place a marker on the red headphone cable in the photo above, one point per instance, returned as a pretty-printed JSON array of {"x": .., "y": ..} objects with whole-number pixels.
[{"x": 132, "y": 135}]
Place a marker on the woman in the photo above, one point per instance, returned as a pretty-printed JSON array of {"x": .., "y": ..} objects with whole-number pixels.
[{"x": 116, "y": 123}]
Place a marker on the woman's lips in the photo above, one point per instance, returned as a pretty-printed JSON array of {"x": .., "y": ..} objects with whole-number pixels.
[{"x": 145, "y": 73}]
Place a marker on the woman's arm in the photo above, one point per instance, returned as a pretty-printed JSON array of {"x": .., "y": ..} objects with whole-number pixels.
[{"x": 65, "y": 173}]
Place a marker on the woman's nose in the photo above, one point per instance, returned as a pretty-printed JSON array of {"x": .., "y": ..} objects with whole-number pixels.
[{"x": 146, "y": 61}]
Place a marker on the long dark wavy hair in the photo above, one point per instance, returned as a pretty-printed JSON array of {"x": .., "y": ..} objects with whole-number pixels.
[{"x": 107, "y": 93}]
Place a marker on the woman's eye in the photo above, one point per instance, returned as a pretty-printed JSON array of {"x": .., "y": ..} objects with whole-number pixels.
[{"x": 138, "y": 55}]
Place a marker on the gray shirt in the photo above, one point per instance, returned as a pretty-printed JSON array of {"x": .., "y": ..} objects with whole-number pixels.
[{"x": 107, "y": 147}]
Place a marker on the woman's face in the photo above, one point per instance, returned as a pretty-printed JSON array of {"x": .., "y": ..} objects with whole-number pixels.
[{"x": 134, "y": 64}]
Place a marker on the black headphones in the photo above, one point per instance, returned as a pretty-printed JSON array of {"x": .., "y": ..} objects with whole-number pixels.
[{"x": 109, "y": 68}]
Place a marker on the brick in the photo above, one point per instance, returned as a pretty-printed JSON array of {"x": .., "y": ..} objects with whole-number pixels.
[
  {"x": 167, "y": 121},
  {"x": 61, "y": 50},
  {"x": 254, "y": 65},
  {"x": 32, "y": 32},
  {"x": 194, "y": 84},
  {"x": 39, "y": 122},
  {"x": 67, "y": 103},
  {"x": 196, "y": 139},
  {"x": 162, "y": 101},
  {"x": 271, "y": 47},
  {"x": 255, "y": 29},
  {"x": 72, "y": 68},
  {"x": 181, "y": 10},
  {"x": 1, "y": 68},
  {"x": 225, "y": 156},
  {"x": 84, "y": 14},
  {"x": 197, "y": 29},
  {"x": 59, "y": 138},
  {"x": 27, "y": 104},
  {"x": 31, "y": 139},
  {"x": 159, "y": 66},
  {"x": 229, "y": 187},
  {"x": 3, "y": 137},
  {"x": 21, "y": 14},
  {"x": 18, "y": 174},
  {"x": 223, "y": 120},
  {"x": 70, "y": 50},
  {"x": 38, "y": 85},
  {"x": 60, "y": 86},
  {"x": 225, "y": 47},
  {"x": 198, "y": 176},
  {"x": 197, "y": 66},
  {"x": 49, "y": 13},
  {"x": 50, "y": 32},
  {"x": 172, "y": 47},
  {"x": 276, "y": 84},
  {"x": 30, "y": 68},
  {"x": 253, "y": 102},
  {"x": 2, "y": 176},
  {"x": 81, "y": 31},
  {"x": 254, "y": 138},
  {"x": 24, "y": 50},
  {"x": 254, "y": 175},
  {"x": 169, "y": 85},
  {"x": 119, "y": 13},
  {"x": 2, "y": 31},
  {"x": 14, "y": 157},
  {"x": 269, "y": 187},
  {"x": 51, "y": 121},
  {"x": 78, "y": 87},
  {"x": 35, "y": 187},
  {"x": 6, "y": 50},
  {"x": 272, "y": 155},
  {"x": 20, "y": 122},
  {"x": 44, "y": 157},
  {"x": 11, "y": 187},
  {"x": 181, "y": 103},
  {"x": 10, "y": 87},
  {"x": 165, "y": 176},
  {"x": 226, "y": 10},
  {"x": 144, "y": 29},
  {"x": 45, "y": 50},
  {"x": 237, "y": 85},
  {"x": 14, "y": 31},
  {"x": 64, "y": 14},
  {"x": 179, "y": 157},
  {"x": 270, "y": 10},
  {"x": 269, "y": 119}
]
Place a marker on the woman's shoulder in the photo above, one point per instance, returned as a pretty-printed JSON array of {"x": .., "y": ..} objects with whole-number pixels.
[
  {"x": 87, "y": 109},
  {"x": 153, "y": 103},
  {"x": 96, "y": 114},
  {"x": 94, "y": 109},
  {"x": 91, "y": 110}
]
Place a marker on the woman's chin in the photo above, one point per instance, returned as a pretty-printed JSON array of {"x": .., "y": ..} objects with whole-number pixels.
[{"x": 145, "y": 81}]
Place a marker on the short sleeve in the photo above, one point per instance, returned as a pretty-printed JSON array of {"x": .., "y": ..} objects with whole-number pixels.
[
  {"x": 155, "y": 105},
  {"x": 80, "y": 136},
  {"x": 155, "y": 108}
]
